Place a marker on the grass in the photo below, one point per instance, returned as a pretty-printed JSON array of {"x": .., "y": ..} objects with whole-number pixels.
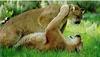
[{"x": 90, "y": 32}]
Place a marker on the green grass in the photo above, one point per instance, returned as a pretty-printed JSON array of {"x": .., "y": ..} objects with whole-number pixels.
[{"x": 90, "y": 32}]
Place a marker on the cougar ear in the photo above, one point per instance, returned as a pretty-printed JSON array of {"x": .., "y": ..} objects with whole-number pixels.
[
  {"x": 72, "y": 7},
  {"x": 83, "y": 10}
]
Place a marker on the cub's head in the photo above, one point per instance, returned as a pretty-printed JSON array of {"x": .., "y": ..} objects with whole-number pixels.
[
  {"x": 74, "y": 43},
  {"x": 75, "y": 13}
]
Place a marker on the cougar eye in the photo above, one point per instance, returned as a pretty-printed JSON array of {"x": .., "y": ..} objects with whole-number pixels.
[{"x": 71, "y": 37}]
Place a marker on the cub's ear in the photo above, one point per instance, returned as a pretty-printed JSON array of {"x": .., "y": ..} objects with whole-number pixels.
[{"x": 83, "y": 10}]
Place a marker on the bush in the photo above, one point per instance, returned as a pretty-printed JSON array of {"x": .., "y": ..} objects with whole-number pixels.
[{"x": 12, "y": 8}]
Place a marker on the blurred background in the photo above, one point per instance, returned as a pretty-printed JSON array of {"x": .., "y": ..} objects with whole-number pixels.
[
  {"x": 11, "y": 8},
  {"x": 89, "y": 27}
]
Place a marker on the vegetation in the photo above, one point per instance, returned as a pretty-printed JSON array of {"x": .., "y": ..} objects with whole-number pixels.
[
  {"x": 12, "y": 8},
  {"x": 89, "y": 29}
]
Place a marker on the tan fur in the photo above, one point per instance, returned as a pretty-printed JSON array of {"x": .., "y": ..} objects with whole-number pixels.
[
  {"x": 32, "y": 21},
  {"x": 52, "y": 35}
]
